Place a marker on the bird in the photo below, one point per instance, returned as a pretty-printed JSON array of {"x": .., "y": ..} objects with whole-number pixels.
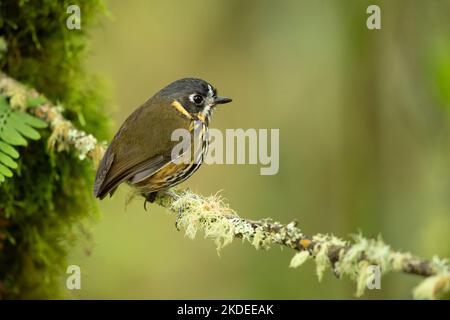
[{"x": 140, "y": 153}]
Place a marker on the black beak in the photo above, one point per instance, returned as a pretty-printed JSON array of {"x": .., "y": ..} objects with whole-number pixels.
[{"x": 221, "y": 100}]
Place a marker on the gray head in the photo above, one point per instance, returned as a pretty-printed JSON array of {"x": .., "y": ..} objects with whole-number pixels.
[{"x": 195, "y": 95}]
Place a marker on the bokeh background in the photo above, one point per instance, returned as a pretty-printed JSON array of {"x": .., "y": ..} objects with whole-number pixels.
[{"x": 364, "y": 119}]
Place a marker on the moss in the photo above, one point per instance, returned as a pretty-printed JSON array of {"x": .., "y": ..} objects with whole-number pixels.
[{"x": 44, "y": 205}]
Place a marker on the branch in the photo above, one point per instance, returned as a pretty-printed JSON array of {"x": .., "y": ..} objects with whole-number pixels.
[
  {"x": 64, "y": 135},
  {"x": 212, "y": 215}
]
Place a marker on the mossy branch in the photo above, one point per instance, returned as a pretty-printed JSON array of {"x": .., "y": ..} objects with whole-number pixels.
[{"x": 213, "y": 216}]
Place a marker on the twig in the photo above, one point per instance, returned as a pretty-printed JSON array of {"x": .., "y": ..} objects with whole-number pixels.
[{"x": 212, "y": 215}]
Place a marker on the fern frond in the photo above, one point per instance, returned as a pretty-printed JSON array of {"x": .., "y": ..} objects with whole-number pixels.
[{"x": 16, "y": 127}]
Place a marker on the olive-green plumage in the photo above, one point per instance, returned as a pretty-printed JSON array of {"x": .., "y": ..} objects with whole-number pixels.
[{"x": 141, "y": 150}]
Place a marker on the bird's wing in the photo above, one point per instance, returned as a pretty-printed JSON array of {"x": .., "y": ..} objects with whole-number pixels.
[
  {"x": 141, "y": 146},
  {"x": 149, "y": 166}
]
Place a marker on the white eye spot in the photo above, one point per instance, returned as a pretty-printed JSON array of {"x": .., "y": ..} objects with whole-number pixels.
[
  {"x": 196, "y": 98},
  {"x": 210, "y": 91}
]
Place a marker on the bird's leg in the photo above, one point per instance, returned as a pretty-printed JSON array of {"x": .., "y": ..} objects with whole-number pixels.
[
  {"x": 171, "y": 194},
  {"x": 149, "y": 197}
]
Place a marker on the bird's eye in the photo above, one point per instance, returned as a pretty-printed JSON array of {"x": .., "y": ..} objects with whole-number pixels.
[{"x": 198, "y": 99}]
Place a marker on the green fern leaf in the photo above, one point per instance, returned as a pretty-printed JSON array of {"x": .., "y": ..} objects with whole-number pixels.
[
  {"x": 31, "y": 121},
  {"x": 22, "y": 127},
  {"x": 7, "y": 160},
  {"x": 10, "y": 135},
  {"x": 5, "y": 171},
  {"x": 15, "y": 128},
  {"x": 3, "y": 102},
  {"x": 9, "y": 150}
]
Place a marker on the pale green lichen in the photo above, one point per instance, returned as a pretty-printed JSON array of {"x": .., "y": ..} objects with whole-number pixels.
[
  {"x": 377, "y": 252},
  {"x": 288, "y": 234},
  {"x": 84, "y": 143},
  {"x": 259, "y": 241},
  {"x": 348, "y": 263},
  {"x": 209, "y": 214},
  {"x": 220, "y": 223},
  {"x": 355, "y": 259},
  {"x": 440, "y": 265},
  {"x": 362, "y": 277},
  {"x": 321, "y": 254},
  {"x": 299, "y": 259},
  {"x": 371, "y": 250},
  {"x": 432, "y": 287},
  {"x": 16, "y": 93},
  {"x": 322, "y": 261},
  {"x": 243, "y": 229},
  {"x": 324, "y": 243},
  {"x": 399, "y": 259},
  {"x": 435, "y": 286}
]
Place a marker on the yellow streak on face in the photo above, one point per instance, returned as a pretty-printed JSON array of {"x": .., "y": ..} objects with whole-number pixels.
[
  {"x": 201, "y": 117},
  {"x": 177, "y": 105}
]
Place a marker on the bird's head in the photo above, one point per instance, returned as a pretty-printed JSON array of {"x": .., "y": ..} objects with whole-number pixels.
[{"x": 195, "y": 96}]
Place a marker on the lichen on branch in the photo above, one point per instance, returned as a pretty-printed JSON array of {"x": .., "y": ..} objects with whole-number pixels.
[
  {"x": 218, "y": 221},
  {"x": 64, "y": 135}
]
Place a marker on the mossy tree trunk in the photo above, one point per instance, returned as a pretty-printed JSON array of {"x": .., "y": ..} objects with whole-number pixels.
[{"x": 43, "y": 206}]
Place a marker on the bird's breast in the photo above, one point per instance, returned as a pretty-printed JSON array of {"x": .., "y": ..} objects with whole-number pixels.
[{"x": 174, "y": 173}]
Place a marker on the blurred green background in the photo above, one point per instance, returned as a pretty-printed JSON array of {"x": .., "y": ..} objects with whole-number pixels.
[{"x": 364, "y": 119}]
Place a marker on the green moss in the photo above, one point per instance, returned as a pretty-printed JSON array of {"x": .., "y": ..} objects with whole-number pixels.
[{"x": 44, "y": 204}]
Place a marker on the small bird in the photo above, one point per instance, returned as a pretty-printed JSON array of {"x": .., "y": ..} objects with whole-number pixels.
[{"x": 141, "y": 152}]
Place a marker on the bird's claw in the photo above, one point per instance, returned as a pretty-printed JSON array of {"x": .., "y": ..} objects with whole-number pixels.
[
  {"x": 172, "y": 194},
  {"x": 149, "y": 197},
  {"x": 145, "y": 204}
]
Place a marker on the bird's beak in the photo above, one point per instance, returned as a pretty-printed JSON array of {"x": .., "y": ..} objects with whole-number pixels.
[{"x": 221, "y": 100}]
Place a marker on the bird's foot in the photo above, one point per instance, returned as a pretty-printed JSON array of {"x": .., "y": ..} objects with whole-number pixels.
[
  {"x": 149, "y": 197},
  {"x": 171, "y": 194}
]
